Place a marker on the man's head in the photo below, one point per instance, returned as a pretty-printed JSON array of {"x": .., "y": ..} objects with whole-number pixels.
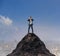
[{"x": 30, "y": 17}]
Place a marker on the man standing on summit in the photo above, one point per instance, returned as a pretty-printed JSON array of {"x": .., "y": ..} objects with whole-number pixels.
[{"x": 30, "y": 20}]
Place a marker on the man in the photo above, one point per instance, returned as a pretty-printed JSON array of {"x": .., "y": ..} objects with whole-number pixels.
[{"x": 30, "y": 20}]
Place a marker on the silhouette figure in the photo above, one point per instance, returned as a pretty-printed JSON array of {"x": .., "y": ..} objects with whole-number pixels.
[{"x": 30, "y": 20}]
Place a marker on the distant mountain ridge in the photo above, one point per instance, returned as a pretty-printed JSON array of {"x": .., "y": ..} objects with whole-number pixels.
[{"x": 31, "y": 45}]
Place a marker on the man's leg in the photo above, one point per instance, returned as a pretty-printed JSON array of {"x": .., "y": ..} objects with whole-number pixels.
[
  {"x": 28, "y": 28},
  {"x": 32, "y": 28}
]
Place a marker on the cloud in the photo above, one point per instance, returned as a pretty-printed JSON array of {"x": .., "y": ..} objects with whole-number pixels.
[{"x": 5, "y": 20}]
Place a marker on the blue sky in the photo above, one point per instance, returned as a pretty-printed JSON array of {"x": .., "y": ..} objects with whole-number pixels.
[
  {"x": 46, "y": 11},
  {"x": 46, "y": 15}
]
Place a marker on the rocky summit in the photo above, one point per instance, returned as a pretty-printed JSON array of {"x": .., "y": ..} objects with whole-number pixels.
[{"x": 31, "y": 45}]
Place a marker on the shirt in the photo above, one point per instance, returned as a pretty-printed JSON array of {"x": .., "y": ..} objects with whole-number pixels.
[{"x": 30, "y": 22}]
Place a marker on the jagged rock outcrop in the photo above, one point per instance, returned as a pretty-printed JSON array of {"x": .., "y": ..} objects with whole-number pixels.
[{"x": 31, "y": 45}]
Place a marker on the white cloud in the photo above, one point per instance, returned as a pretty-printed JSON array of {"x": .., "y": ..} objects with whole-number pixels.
[{"x": 5, "y": 20}]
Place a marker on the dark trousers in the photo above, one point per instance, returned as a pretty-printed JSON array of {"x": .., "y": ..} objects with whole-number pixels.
[{"x": 30, "y": 26}]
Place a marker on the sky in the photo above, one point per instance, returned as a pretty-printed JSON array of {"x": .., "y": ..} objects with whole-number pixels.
[{"x": 14, "y": 15}]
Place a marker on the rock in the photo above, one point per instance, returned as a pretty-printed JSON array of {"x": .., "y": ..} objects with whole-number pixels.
[{"x": 31, "y": 45}]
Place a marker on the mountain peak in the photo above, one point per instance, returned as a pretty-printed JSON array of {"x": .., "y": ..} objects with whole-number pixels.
[{"x": 31, "y": 45}]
